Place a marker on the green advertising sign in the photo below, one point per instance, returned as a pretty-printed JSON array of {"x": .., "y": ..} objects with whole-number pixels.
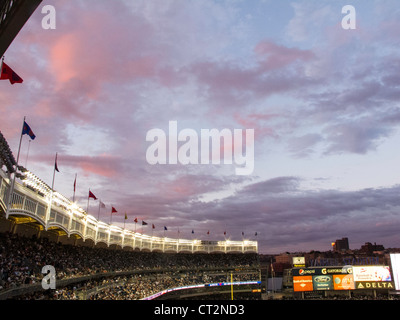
[{"x": 323, "y": 282}]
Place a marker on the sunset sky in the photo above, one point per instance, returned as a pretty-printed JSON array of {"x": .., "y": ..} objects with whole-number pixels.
[{"x": 323, "y": 102}]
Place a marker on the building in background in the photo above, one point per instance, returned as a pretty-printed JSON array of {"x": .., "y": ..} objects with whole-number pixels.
[{"x": 341, "y": 245}]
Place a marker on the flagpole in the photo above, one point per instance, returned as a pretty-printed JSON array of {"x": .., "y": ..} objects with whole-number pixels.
[
  {"x": 98, "y": 213},
  {"x": 87, "y": 210},
  {"x": 51, "y": 191},
  {"x": 16, "y": 167},
  {"x": 54, "y": 173},
  {"x": 27, "y": 154},
  {"x": 20, "y": 140}
]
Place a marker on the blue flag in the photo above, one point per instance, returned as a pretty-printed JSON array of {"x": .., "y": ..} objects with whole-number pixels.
[{"x": 27, "y": 130}]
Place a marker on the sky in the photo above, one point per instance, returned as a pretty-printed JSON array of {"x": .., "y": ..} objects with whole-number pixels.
[{"x": 323, "y": 102}]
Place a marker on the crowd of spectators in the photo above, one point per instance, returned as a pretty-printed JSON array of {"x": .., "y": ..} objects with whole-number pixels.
[
  {"x": 22, "y": 260},
  {"x": 138, "y": 287}
]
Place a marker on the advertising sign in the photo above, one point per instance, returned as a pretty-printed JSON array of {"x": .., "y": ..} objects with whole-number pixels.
[
  {"x": 322, "y": 271},
  {"x": 322, "y": 282},
  {"x": 375, "y": 285},
  {"x": 343, "y": 282},
  {"x": 371, "y": 273},
  {"x": 299, "y": 262},
  {"x": 302, "y": 283}
]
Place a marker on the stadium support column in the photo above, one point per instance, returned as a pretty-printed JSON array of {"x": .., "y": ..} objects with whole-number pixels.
[
  {"x": 70, "y": 223},
  {"x": 84, "y": 229},
  {"x": 48, "y": 211}
]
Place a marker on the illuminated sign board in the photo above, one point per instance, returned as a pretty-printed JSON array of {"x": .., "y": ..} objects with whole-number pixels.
[
  {"x": 200, "y": 286},
  {"x": 322, "y": 282},
  {"x": 347, "y": 277},
  {"x": 299, "y": 262},
  {"x": 302, "y": 283},
  {"x": 343, "y": 282},
  {"x": 322, "y": 271},
  {"x": 395, "y": 259},
  {"x": 375, "y": 285},
  {"x": 371, "y": 273}
]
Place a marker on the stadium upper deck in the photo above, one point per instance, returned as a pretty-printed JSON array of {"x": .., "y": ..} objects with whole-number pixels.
[{"x": 33, "y": 202}]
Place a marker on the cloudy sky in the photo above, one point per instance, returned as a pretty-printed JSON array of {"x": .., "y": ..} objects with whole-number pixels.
[{"x": 323, "y": 102}]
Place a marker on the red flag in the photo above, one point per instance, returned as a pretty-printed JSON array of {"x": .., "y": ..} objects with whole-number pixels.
[
  {"x": 135, "y": 220},
  {"x": 113, "y": 210},
  {"x": 153, "y": 226},
  {"x": 8, "y": 73},
  {"x": 91, "y": 195},
  {"x": 75, "y": 184}
]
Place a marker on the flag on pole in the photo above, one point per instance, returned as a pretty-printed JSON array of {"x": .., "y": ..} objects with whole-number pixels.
[
  {"x": 55, "y": 164},
  {"x": 73, "y": 198},
  {"x": 26, "y": 129},
  {"x": 102, "y": 205},
  {"x": 135, "y": 220},
  {"x": 54, "y": 172},
  {"x": 165, "y": 228},
  {"x": 192, "y": 231},
  {"x": 113, "y": 210},
  {"x": 91, "y": 195},
  {"x": 8, "y": 73},
  {"x": 153, "y": 226},
  {"x": 144, "y": 223},
  {"x": 208, "y": 232}
]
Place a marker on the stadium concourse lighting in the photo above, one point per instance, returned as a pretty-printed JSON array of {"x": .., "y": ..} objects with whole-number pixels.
[
  {"x": 115, "y": 228},
  {"x": 91, "y": 218}
]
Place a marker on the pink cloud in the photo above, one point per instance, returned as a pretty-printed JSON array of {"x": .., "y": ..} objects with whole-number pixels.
[
  {"x": 63, "y": 58},
  {"x": 258, "y": 122},
  {"x": 273, "y": 56},
  {"x": 104, "y": 165}
]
